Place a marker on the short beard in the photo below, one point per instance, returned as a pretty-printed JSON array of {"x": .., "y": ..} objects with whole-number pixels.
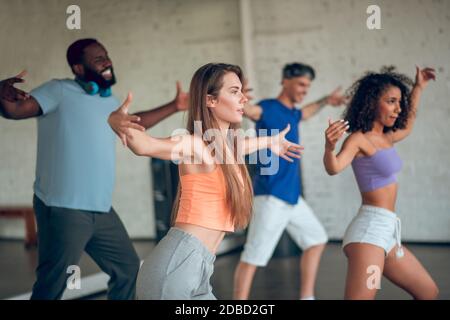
[{"x": 91, "y": 75}]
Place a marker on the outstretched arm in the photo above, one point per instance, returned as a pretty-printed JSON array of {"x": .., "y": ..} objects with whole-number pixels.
[
  {"x": 151, "y": 117},
  {"x": 144, "y": 120},
  {"x": 334, "y": 99},
  {"x": 251, "y": 111},
  {"x": 277, "y": 143},
  {"x": 423, "y": 76},
  {"x": 178, "y": 148},
  {"x": 184, "y": 148},
  {"x": 336, "y": 163},
  {"x": 15, "y": 103}
]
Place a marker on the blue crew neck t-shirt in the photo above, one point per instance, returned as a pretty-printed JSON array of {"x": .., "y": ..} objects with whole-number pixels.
[
  {"x": 75, "y": 165},
  {"x": 283, "y": 180}
]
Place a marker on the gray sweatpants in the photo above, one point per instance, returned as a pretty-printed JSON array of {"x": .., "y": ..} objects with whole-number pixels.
[
  {"x": 178, "y": 268},
  {"x": 63, "y": 235}
]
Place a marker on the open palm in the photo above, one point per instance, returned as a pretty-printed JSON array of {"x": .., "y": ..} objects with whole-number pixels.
[
  {"x": 121, "y": 122},
  {"x": 285, "y": 148},
  {"x": 181, "y": 98}
]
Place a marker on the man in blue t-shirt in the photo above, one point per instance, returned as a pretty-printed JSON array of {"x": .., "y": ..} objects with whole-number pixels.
[
  {"x": 278, "y": 201},
  {"x": 75, "y": 170}
]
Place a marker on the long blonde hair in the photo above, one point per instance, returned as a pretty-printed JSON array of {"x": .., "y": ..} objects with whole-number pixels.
[{"x": 208, "y": 80}]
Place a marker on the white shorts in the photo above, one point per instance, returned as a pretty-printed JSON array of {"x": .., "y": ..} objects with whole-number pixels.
[
  {"x": 377, "y": 226},
  {"x": 270, "y": 217}
]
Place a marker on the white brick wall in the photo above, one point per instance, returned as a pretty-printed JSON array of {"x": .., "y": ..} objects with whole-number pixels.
[
  {"x": 332, "y": 36},
  {"x": 154, "y": 43}
]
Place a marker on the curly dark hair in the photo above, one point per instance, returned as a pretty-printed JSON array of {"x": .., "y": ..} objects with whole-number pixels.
[{"x": 365, "y": 95}]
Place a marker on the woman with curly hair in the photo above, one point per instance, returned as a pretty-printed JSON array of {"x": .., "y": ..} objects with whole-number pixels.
[{"x": 382, "y": 112}]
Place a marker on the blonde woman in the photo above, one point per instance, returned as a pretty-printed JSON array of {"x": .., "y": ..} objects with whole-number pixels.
[{"x": 215, "y": 192}]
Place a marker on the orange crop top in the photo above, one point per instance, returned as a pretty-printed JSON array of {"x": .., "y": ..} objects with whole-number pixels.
[{"x": 203, "y": 201}]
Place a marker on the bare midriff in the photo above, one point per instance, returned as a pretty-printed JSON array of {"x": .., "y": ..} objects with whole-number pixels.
[{"x": 384, "y": 197}]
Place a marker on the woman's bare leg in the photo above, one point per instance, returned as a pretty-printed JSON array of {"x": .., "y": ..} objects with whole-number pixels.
[
  {"x": 409, "y": 274},
  {"x": 364, "y": 271}
]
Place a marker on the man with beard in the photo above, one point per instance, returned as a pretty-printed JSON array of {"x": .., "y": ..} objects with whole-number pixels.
[{"x": 75, "y": 170}]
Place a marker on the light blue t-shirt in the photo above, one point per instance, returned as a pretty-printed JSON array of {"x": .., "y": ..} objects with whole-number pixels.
[{"x": 75, "y": 165}]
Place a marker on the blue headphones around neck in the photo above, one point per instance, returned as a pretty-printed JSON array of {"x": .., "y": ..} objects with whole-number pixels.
[{"x": 92, "y": 88}]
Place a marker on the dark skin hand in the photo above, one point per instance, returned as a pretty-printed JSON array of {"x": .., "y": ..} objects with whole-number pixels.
[
  {"x": 9, "y": 93},
  {"x": 16, "y": 103}
]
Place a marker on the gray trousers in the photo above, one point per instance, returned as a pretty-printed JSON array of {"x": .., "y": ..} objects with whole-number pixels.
[
  {"x": 63, "y": 235},
  {"x": 178, "y": 268}
]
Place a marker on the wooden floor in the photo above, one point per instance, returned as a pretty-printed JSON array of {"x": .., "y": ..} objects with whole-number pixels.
[{"x": 279, "y": 280}]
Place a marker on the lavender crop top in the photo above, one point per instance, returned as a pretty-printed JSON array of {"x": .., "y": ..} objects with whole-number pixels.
[{"x": 376, "y": 171}]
